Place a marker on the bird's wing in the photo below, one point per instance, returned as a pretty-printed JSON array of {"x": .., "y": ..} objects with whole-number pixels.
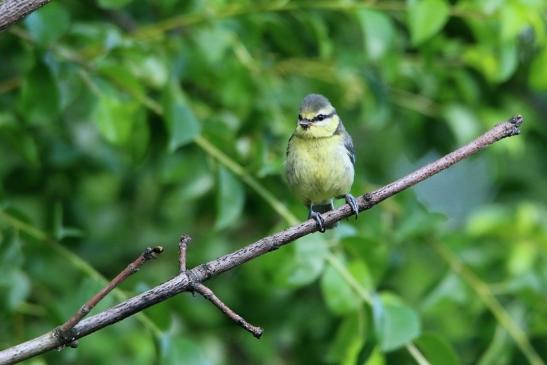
[
  {"x": 289, "y": 145},
  {"x": 348, "y": 142}
]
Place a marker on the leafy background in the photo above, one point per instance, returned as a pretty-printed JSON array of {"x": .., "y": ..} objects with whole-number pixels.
[{"x": 126, "y": 123}]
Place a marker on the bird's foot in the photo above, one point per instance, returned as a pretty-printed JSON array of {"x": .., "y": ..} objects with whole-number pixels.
[
  {"x": 319, "y": 220},
  {"x": 352, "y": 202}
]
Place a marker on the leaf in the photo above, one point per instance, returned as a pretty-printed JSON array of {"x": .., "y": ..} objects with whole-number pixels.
[
  {"x": 309, "y": 260},
  {"x": 508, "y": 60},
  {"x": 15, "y": 286},
  {"x": 513, "y": 19},
  {"x": 378, "y": 32},
  {"x": 39, "y": 100},
  {"x": 463, "y": 122},
  {"x": 11, "y": 253},
  {"x": 22, "y": 142},
  {"x": 176, "y": 350},
  {"x": 376, "y": 358},
  {"x": 395, "y": 323},
  {"x": 348, "y": 341},
  {"x": 436, "y": 350},
  {"x": 499, "y": 349},
  {"x": 426, "y": 18},
  {"x": 115, "y": 116},
  {"x": 59, "y": 230},
  {"x": 537, "y": 78},
  {"x": 338, "y": 294},
  {"x": 113, "y": 4},
  {"x": 48, "y": 24},
  {"x": 214, "y": 40},
  {"x": 121, "y": 75},
  {"x": 230, "y": 199},
  {"x": 181, "y": 122}
]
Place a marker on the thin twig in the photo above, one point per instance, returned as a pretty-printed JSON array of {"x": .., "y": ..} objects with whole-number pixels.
[
  {"x": 183, "y": 243},
  {"x": 185, "y": 280},
  {"x": 210, "y": 296},
  {"x": 148, "y": 254}
]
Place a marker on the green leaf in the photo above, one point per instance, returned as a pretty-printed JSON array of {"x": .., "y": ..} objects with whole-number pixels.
[
  {"x": 395, "y": 323},
  {"x": 230, "y": 199},
  {"x": 11, "y": 253},
  {"x": 39, "y": 100},
  {"x": 348, "y": 340},
  {"x": 181, "y": 122},
  {"x": 537, "y": 78},
  {"x": 338, "y": 294},
  {"x": 463, "y": 122},
  {"x": 121, "y": 76},
  {"x": 59, "y": 230},
  {"x": 426, "y": 18},
  {"x": 23, "y": 142},
  {"x": 378, "y": 32},
  {"x": 214, "y": 40},
  {"x": 116, "y": 115},
  {"x": 513, "y": 20},
  {"x": 15, "y": 286},
  {"x": 48, "y": 24},
  {"x": 508, "y": 60},
  {"x": 308, "y": 262},
  {"x": 376, "y": 358},
  {"x": 113, "y": 4},
  {"x": 177, "y": 349},
  {"x": 500, "y": 349},
  {"x": 437, "y": 350}
]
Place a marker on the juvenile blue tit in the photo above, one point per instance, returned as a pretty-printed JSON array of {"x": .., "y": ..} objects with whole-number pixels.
[{"x": 320, "y": 159}]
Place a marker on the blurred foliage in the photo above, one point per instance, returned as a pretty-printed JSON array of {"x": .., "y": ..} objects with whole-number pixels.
[{"x": 126, "y": 123}]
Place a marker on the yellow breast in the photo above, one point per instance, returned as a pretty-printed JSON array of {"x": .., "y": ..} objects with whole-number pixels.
[{"x": 318, "y": 169}]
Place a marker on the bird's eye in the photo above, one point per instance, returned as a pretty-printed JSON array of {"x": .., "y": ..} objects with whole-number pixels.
[{"x": 320, "y": 117}]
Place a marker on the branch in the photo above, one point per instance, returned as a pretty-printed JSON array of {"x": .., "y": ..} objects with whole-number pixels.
[
  {"x": 13, "y": 10},
  {"x": 209, "y": 295},
  {"x": 188, "y": 279},
  {"x": 65, "y": 331}
]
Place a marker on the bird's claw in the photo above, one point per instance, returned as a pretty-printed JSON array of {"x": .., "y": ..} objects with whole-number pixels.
[
  {"x": 319, "y": 220},
  {"x": 352, "y": 202}
]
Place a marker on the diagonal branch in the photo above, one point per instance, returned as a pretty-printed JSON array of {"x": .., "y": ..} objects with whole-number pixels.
[
  {"x": 65, "y": 331},
  {"x": 187, "y": 279},
  {"x": 210, "y": 295},
  {"x": 13, "y": 10}
]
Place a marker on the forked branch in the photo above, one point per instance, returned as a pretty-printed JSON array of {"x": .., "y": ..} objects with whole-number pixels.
[{"x": 189, "y": 280}]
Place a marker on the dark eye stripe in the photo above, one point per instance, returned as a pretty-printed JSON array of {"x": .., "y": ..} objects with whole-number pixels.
[{"x": 321, "y": 117}]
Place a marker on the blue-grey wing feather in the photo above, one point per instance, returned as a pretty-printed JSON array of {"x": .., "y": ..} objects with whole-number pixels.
[{"x": 348, "y": 142}]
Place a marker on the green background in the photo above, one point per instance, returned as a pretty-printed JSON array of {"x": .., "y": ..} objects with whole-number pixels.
[{"x": 124, "y": 124}]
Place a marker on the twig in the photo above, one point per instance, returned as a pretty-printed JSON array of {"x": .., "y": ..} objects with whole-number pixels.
[
  {"x": 13, "y": 10},
  {"x": 210, "y": 295},
  {"x": 184, "y": 281},
  {"x": 64, "y": 331},
  {"x": 183, "y": 243}
]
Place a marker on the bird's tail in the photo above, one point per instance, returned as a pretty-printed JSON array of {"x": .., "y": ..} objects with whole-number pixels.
[{"x": 323, "y": 208}]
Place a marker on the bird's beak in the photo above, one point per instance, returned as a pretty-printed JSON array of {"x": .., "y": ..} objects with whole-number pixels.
[{"x": 304, "y": 124}]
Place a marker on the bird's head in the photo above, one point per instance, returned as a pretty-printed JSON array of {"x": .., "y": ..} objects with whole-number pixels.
[{"x": 317, "y": 118}]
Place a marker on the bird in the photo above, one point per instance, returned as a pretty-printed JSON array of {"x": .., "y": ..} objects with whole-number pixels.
[{"x": 320, "y": 159}]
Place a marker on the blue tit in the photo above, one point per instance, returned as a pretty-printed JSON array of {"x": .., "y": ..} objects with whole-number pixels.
[{"x": 320, "y": 159}]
